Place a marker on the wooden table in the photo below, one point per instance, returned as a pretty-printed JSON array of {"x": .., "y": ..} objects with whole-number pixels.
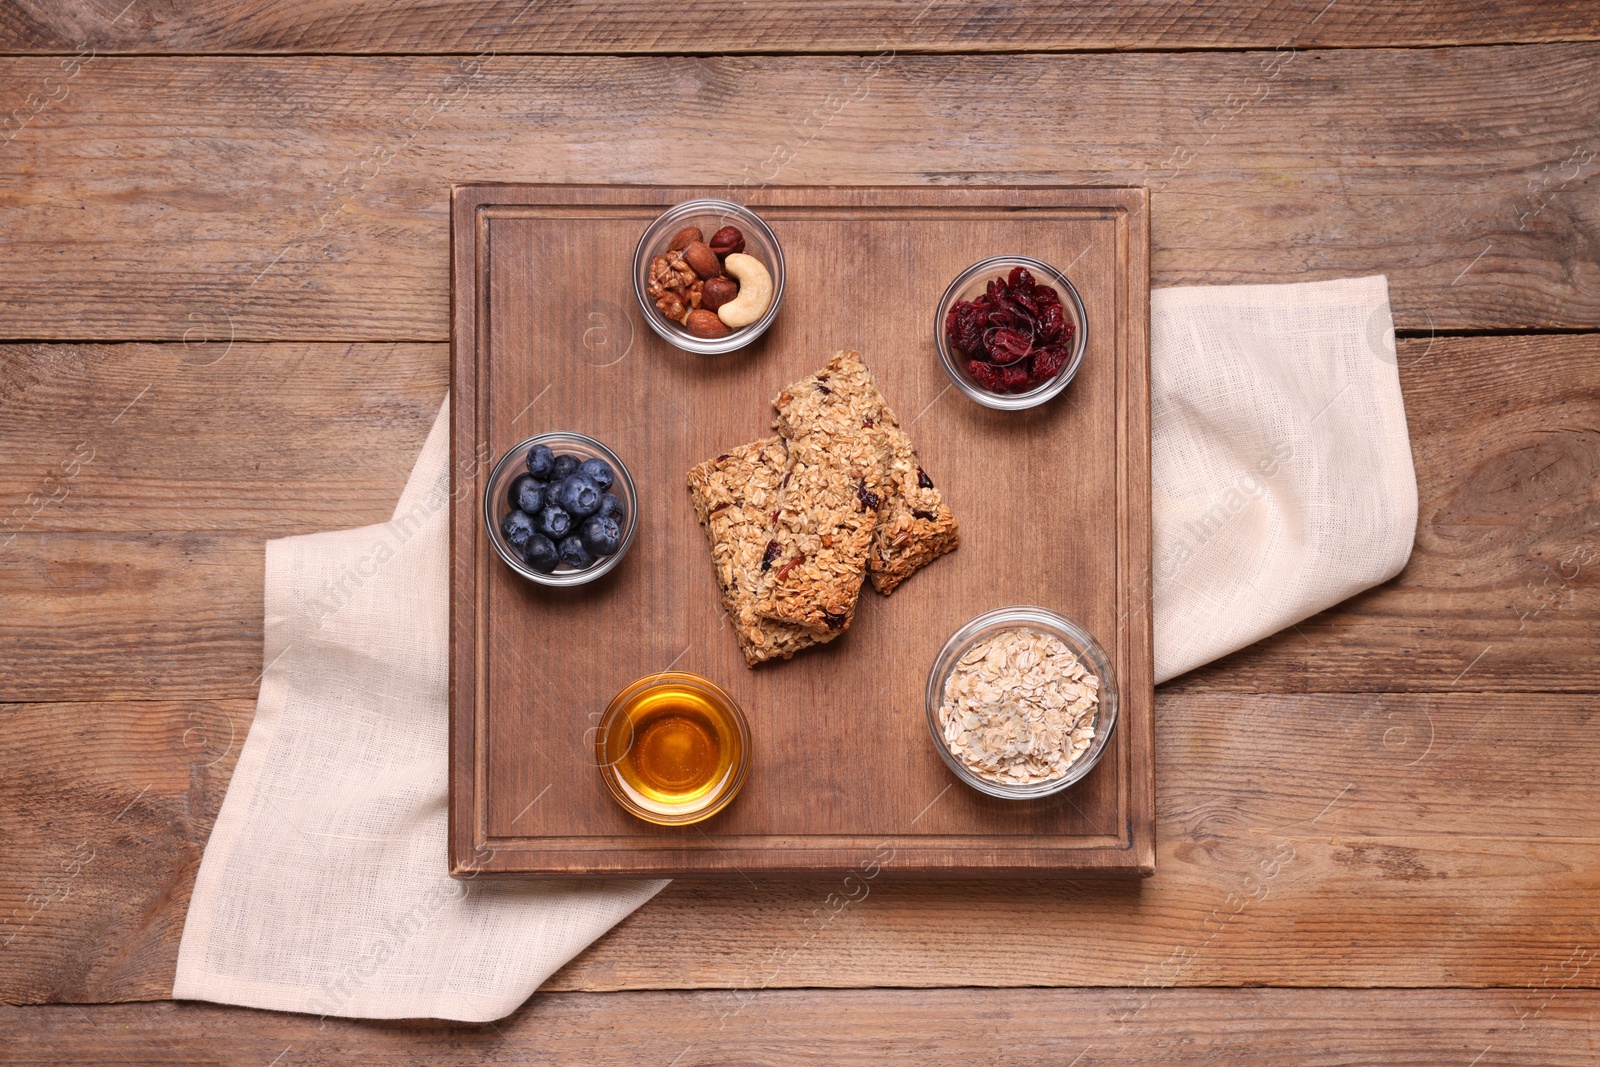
[{"x": 224, "y": 301}]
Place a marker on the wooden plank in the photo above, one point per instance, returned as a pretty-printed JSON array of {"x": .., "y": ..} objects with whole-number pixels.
[
  {"x": 313, "y": 26},
  {"x": 106, "y": 809},
  {"x": 1503, "y": 432},
  {"x": 287, "y": 438},
  {"x": 189, "y": 605},
  {"x": 313, "y": 196},
  {"x": 845, "y": 722},
  {"x": 1245, "y": 1028},
  {"x": 1352, "y": 840}
]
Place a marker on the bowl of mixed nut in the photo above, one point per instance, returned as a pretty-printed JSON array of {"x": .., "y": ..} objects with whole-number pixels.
[
  {"x": 709, "y": 276},
  {"x": 1021, "y": 702}
]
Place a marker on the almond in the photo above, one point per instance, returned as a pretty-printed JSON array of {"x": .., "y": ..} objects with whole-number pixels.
[{"x": 704, "y": 261}]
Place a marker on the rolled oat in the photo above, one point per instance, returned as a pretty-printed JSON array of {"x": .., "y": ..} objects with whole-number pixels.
[{"x": 1019, "y": 708}]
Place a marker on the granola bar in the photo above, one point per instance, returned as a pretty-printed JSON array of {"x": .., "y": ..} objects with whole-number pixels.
[
  {"x": 734, "y": 496},
  {"x": 914, "y": 525},
  {"x": 827, "y": 511}
]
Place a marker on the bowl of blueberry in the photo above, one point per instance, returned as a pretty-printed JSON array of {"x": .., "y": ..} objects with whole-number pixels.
[
  {"x": 1011, "y": 332},
  {"x": 561, "y": 509}
]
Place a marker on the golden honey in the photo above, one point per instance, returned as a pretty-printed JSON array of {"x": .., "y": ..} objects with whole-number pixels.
[{"x": 672, "y": 748}]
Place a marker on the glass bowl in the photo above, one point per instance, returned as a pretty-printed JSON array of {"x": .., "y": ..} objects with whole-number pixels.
[
  {"x": 497, "y": 505},
  {"x": 972, "y": 282},
  {"x": 1076, "y": 638},
  {"x": 710, "y": 216},
  {"x": 673, "y": 748}
]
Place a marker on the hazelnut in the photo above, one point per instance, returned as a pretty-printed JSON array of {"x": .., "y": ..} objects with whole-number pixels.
[
  {"x": 684, "y": 238},
  {"x": 704, "y": 261},
  {"x": 703, "y": 323},
  {"x": 717, "y": 291},
  {"x": 727, "y": 241}
]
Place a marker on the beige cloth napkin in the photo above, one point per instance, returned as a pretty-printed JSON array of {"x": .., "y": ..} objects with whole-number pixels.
[
  {"x": 1280, "y": 466},
  {"x": 1282, "y": 484}
]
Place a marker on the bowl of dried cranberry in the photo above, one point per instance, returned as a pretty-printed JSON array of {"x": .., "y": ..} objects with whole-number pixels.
[{"x": 1011, "y": 332}]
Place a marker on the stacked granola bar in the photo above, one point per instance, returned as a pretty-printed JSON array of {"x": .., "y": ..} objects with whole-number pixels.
[{"x": 796, "y": 522}]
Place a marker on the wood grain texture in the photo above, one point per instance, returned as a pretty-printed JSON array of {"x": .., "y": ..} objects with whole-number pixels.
[
  {"x": 105, "y": 810},
  {"x": 637, "y": 26},
  {"x": 1401, "y": 840},
  {"x": 190, "y": 605},
  {"x": 99, "y": 600},
  {"x": 306, "y": 198},
  {"x": 205, "y": 436},
  {"x": 1255, "y": 1028},
  {"x": 843, "y": 773}
]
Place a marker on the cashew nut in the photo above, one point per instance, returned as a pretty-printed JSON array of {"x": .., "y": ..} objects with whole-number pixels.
[{"x": 755, "y": 291}]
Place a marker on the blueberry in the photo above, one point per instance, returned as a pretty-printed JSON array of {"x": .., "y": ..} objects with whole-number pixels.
[
  {"x": 573, "y": 554},
  {"x": 541, "y": 461},
  {"x": 541, "y": 554},
  {"x": 527, "y": 493},
  {"x": 553, "y": 522},
  {"x": 563, "y": 466},
  {"x": 598, "y": 472},
  {"x": 518, "y": 527},
  {"x": 579, "y": 496},
  {"x": 610, "y": 507},
  {"x": 601, "y": 536}
]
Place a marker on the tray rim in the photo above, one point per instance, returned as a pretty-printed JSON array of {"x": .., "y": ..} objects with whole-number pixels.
[{"x": 472, "y": 854}]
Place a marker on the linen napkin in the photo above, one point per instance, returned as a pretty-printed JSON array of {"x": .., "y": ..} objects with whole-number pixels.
[
  {"x": 1282, "y": 484},
  {"x": 1280, "y": 466}
]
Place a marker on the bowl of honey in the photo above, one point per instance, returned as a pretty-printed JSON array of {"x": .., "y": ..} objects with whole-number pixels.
[{"x": 673, "y": 748}]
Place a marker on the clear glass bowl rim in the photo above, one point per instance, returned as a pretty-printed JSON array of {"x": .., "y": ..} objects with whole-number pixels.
[
  {"x": 651, "y": 681},
  {"x": 563, "y": 579},
  {"x": 656, "y": 231},
  {"x": 1078, "y": 639},
  {"x": 1033, "y": 397}
]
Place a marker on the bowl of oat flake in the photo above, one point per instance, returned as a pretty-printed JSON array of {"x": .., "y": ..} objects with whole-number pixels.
[{"x": 1021, "y": 702}]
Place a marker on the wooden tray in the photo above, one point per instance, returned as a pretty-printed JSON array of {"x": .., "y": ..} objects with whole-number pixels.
[{"x": 1054, "y": 506}]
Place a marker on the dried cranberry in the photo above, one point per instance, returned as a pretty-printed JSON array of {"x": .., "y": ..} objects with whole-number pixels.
[
  {"x": 1009, "y": 346},
  {"x": 869, "y": 500},
  {"x": 1048, "y": 361},
  {"x": 987, "y": 375},
  {"x": 1024, "y": 300},
  {"x": 1020, "y": 278},
  {"x": 1003, "y": 318},
  {"x": 1015, "y": 377},
  {"x": 770, "y": 554},
  {"x": 833, "y": 621},
  {"x": 1045, "y": 295},
  {"x": 923, "y": 481},
  {"x": 996, "y": 289},
  {"x": 964, "y": 328},
  {"x": 918, "y": 513},
  {"x": 824, "y": 390},
  {"x": 1052, "y": 320}
]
